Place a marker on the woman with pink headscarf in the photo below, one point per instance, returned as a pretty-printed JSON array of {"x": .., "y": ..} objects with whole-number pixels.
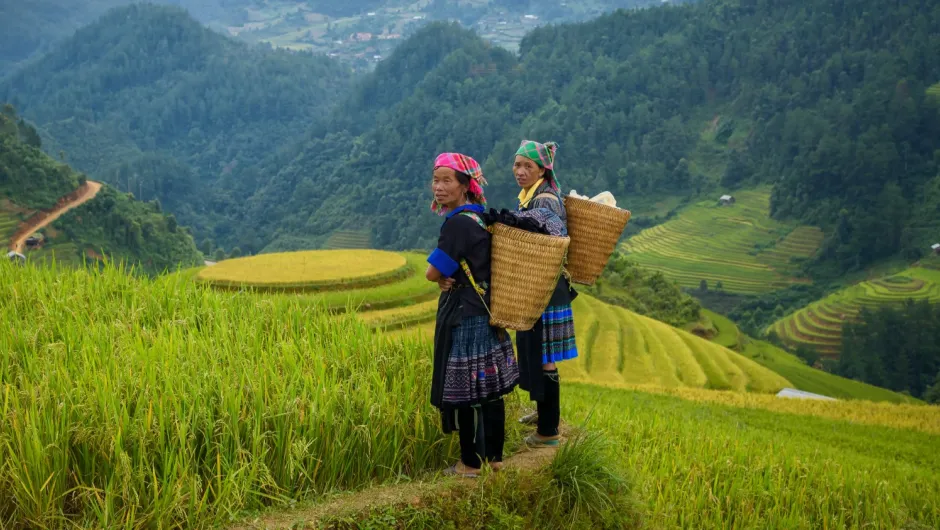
[{"x": 474, "y": 363}]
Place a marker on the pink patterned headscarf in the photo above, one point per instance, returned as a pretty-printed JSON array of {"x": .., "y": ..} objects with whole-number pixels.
[{"x": 466, "y": 165}]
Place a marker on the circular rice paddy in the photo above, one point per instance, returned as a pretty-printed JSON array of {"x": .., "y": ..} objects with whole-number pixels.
[{"x": 315, "y": 270}]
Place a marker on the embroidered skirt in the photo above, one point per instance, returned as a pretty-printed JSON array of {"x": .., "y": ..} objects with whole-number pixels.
[
  {"x": 481, "y": 364},
  {"x": 558, "y": 343}
]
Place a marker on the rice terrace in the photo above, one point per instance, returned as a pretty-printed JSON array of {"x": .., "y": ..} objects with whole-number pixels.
[
  {"x": 738, "y": 245},
  {"x": 204, "y": 406},
  {"x": 819, "y": 325}
]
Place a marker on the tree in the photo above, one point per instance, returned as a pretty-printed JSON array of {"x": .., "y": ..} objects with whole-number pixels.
[
  {"x": 703, "y": 285},
  {"x": 932, "y": 395},
  {"x": 219, "y": 254},
  {"x": 809, "y": 355},
  {"x": 737, "y": 170}
]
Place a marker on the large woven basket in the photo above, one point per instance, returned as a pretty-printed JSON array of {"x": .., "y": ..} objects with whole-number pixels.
[
  {"x": 594, "y": 229},
  {"x": 525, "y": 268}
]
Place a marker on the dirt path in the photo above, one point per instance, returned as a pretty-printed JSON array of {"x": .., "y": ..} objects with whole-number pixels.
[
  {"x": 383, "y": 496},
  {"x": 46, "y": 217}
]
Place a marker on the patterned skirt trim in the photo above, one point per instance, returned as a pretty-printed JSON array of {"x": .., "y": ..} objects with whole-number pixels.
[
  {"x": 481, "y": 365},
  {"x": 558, "y": 340}
]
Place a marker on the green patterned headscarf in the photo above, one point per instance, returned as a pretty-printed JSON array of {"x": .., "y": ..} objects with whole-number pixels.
[{"x": 543, "y": 155}]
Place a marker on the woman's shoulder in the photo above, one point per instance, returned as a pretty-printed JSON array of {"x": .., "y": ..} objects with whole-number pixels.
[{"x": 465, "y": 222}]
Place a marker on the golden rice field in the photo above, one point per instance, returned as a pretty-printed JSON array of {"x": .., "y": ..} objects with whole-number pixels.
[
  {"x": 618, "y": 347},
  {"x": 738, "y": 245},
  {"x": 312, "y": 270},
  {"x": 706, "y": 459},
  {"x": 138, "y": 402},
  {"x": 819, "y": 325}
]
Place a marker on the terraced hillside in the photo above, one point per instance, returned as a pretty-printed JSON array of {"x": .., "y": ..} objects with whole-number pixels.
[
  {"x": 819, "y": 325},
  {"x": 343, "y": 239},
  {"x": 623, "y": 349},
  {"x": 790, "y": 366},
  {"x": 738, "y": 245},
  {"x": 387, "y": 289},
  {"x": 8, "y": 223}
]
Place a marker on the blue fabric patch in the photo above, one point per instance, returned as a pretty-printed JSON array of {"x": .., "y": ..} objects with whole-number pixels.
[
  {"x": 443, "y": 262},
  {"x": 465, "y": 208}
]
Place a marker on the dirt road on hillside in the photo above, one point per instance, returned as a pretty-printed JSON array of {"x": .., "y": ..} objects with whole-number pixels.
[{"x": 44, "y": 218}]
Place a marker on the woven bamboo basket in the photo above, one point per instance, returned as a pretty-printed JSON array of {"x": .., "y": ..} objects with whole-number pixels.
[
  {"x": 594, "y": 229},
  {"x": 525, "y": 267}
]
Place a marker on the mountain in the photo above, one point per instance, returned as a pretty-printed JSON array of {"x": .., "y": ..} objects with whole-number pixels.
[
  {"x": 826, "y": 106},
  {"x": 150, "y": 101},
  {"x": 28, "y": 29},
  {"x": 110, "y": 224},
  {"x": 686, "y": 100}
]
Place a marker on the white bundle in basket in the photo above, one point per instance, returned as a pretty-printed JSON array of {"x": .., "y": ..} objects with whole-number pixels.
[{"x": 605, "y": 197}]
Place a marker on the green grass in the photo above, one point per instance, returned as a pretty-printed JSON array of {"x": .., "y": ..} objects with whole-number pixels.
[
  {"x": 738, "y": 245},
  {"x": 706, "y": 465},
  {"x": 810, "y": 379},
  {"x": 727, "y": 331},
  {"x": 819, "y": 325},
  {"x": 136, "y": 402}
]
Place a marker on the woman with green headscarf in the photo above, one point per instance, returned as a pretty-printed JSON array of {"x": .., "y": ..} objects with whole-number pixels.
[{"x": 552, "y": 339}]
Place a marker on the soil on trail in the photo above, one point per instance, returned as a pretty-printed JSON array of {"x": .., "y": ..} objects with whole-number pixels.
[
  {"x": 83, "y": 194},
  {"x": 383, "y": 496}
]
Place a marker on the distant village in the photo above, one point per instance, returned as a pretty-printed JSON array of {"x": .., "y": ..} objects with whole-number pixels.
[{"x": 364, "y": 40}]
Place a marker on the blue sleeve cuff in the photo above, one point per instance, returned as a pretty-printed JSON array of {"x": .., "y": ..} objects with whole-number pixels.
[{"x": 443, "y": 262}]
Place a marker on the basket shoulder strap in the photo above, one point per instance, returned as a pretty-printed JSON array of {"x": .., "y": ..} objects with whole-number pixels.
[
  {"x": 547, "y": 195},
  {"x": 475, "y": 217}
]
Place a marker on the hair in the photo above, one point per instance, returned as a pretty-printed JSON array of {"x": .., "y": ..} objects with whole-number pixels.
[{"x": 464, "y": 180}]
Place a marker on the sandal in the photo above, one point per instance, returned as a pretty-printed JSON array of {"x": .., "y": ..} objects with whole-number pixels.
[
  {"x": 452, "y": 471},
  {"x": 535, "y": 441},
  {"x": 529, "y": 419}
]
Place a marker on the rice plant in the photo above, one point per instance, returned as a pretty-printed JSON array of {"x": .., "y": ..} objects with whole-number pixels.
[{"x": 136, "y": 402}]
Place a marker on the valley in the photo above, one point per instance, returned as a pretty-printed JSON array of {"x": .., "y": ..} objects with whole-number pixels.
[{"x": 217, "y": 315}]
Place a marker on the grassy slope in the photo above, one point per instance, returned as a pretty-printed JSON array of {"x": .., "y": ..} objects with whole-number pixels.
[
  {"x": 795, "y": 370},
  {"x": 619, "y": 347},
  {"x": 725, "y": 467},
  {"x": 197, "y": 379},
  {"x": 738, "y": 245},
  {"x": 819, "y": 325}
]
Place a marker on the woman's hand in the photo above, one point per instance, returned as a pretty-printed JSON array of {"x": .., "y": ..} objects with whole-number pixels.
[{"x": 445, "y": 283}]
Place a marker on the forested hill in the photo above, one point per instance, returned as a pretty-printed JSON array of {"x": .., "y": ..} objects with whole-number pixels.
[
  {"x": 111, "y": 224},
  {"x": 824, "y": 100},
  {"x": 149, "y": 100}
]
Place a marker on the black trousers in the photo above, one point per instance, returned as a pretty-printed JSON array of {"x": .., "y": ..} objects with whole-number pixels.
[{"x": 482, "y": 431}]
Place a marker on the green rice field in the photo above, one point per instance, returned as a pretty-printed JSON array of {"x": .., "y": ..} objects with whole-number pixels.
[
  {"x": 162, "y": 403},
  {"x": 8, "y": 224},
  {"x": 819, "y": 325},
  {"x": 737, "y": 245},
  {"x": 349, "y": 239}
]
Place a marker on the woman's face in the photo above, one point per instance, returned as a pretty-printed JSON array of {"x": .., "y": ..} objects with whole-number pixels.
[
  {"x": 526, "y": 171},
  {"x": 448, "y": 191}
]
